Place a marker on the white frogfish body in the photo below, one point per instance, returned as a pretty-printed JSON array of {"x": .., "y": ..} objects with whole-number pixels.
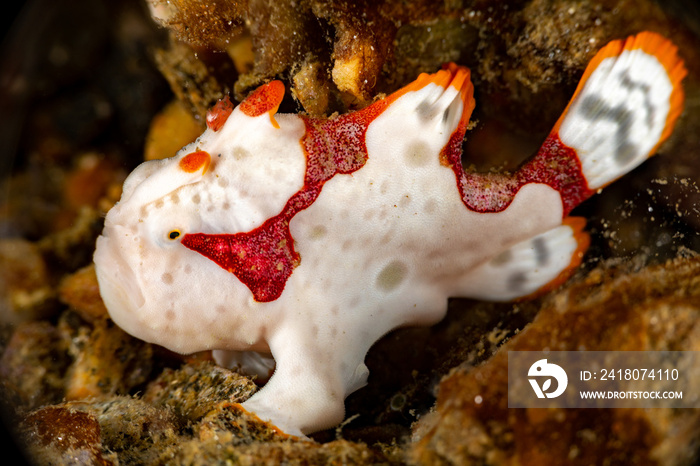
[{"x": 308, "y": 239}]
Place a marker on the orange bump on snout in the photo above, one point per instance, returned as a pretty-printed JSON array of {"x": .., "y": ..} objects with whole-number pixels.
[{"x": 195, "y": 161}]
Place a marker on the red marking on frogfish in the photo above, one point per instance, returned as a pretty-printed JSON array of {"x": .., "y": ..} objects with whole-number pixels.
[
  {"x": 555, "y": 165},
  {"x": 219, "y": 113},
  {"x": 194, "y": 161},
  {"x": 264, "y": 258}
]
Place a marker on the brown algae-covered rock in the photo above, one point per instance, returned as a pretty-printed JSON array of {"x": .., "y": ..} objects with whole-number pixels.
[
  {"x": 107, "y": 361},
  {"x": 43, "y": 363},
  {"x": 136, "y": 431},
  {"x": 26, "y": 293},
  {"x": 526, "y": 56},
  {"x": 230, "y": 434},
  {"x": 81, "y": 293},
  {"x": 60, "y": 435},
  {"x": 192, "y": 79},
  {"x": 654, "y": 309},
  {"x": 195, "y": 388},
  {"x": 119, "y": 430},
  {"x": 32, "y": 368}
]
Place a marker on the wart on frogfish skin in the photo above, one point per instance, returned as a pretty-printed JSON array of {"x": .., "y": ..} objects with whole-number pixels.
[
  {"x": 361, "y": 223},
  {"x": 391, "y": 276}
]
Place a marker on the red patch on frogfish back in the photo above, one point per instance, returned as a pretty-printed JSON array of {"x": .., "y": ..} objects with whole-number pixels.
[
  {"x": 219, "y": 113},
  {"x": 555, "y": 164},
  {"x": 195, "y": 161},
  {"x": 264, "y": 258}
]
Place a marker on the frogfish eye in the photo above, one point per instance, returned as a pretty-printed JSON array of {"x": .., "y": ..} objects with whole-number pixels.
[{"x": 175, "y": 234}]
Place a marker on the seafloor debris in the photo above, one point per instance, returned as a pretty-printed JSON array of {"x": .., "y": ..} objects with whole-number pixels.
[
  {"x": 651, "y": 310},
  {"x": 338, "y": 55}
]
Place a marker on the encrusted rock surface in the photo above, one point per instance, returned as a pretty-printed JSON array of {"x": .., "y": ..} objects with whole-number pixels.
[{"x": 657, "y": 308}]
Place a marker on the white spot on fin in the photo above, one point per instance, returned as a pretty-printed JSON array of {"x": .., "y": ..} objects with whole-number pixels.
[
  {"x": 621, "y": 111},
  {"x": 527, "y": 266}
]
